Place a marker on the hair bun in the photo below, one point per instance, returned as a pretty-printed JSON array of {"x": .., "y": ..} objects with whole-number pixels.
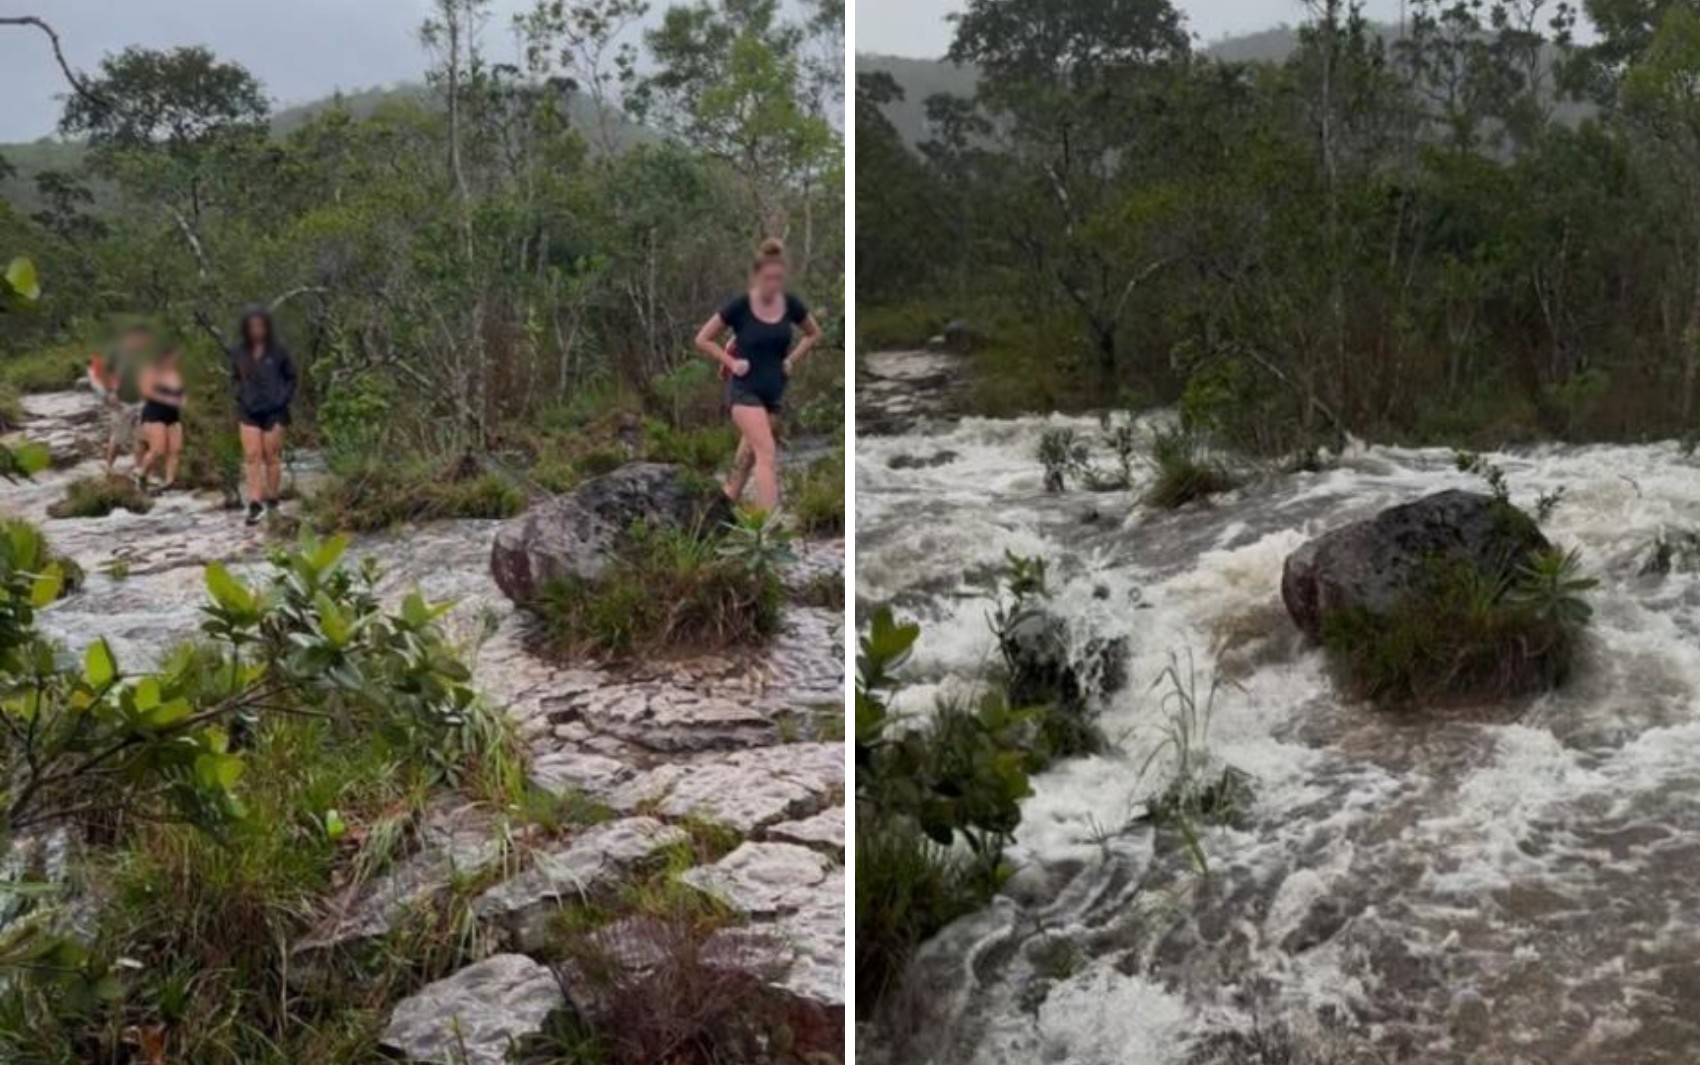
[{"x": 771, "y": 248}]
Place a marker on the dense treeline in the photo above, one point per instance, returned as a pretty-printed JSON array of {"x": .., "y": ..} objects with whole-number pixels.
[
  {"x": 1485, "y": 226},
  {"x": 542, "y": 229}
]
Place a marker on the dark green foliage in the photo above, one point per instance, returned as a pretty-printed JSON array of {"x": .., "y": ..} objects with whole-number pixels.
[
  {"x": 96, "y": 497},
  {"x": 212, "y": 856},
  {"x": 920, "y": 789},
  {"x": 50, "y": 369},
  {"x": 669, "y": 591},
  {"x": 381, "y": 496},
  {"x": 1465, "y": 636},
  {"x": 707, "y": 449}
]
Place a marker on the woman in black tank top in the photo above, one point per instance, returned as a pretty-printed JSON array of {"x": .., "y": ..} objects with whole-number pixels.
[
  {"x": 162, "y": 418},
  {"x": 756, "y": 364}
]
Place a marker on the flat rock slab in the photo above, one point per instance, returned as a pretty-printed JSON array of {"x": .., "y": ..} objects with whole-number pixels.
[
  {"x": 767, "y": 879},
  {"x": 591, "y": 865},
  {"x": 455, "y": 841},
  {"x": 665, "y": 719},
  {"x": 478, "y": 1015},
  {"x": 823, "y": 832},
  {"x": 744, "y": 790}
]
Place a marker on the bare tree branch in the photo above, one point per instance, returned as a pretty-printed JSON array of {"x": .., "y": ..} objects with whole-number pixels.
[{"x": 77, "y": 81}]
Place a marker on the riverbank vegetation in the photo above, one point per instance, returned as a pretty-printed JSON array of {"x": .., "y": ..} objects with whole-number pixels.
[
  {"x": 507, "y": 261},
  {"x": 180, "y": 827},
  {"x": 1480, "y": 229}
]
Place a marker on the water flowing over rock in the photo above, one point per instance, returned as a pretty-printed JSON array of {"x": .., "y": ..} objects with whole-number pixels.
[
  {"x": 478, "y": 1015},
  {"x": 1372, "y": 565},
  {"x": 577, "y": 534},
  {"x": 1422, "y": 889}
]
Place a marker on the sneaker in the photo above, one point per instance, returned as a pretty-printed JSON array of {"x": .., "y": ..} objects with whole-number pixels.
[
  {"x": 271, "y": 506},
  {"x": 255, "y": 512}
]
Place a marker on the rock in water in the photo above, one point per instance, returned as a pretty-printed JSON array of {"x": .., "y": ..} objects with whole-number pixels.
[
  {"x": 477, "y": 1015},
  {"x": 578, "y": 534},
  {"x": 1372, "y": 565}
]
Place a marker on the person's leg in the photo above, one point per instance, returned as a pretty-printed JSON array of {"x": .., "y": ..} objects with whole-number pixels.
[
  {"x": 253, "y": 463},
  {"x": 758, "y": 434},
  {"x": 173, "y": 451},
  {"x": 273, "y": 443},
  {"x": 152, "y": 450},
  {"x": 743, "y": 464}
]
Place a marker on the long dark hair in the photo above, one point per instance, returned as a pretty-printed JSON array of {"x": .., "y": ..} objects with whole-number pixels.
[{"x": 246, "y": 364}]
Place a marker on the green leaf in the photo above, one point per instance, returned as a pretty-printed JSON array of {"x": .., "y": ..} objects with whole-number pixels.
[
  {"x": 220, "y": 771},
  {"x": 32, "y": 458},
  {"x": 46, "y": 588},
  {"x": 329, "y": 553},
  {"x": 335, "y": 828},
  {"x": 227, "y": 591},
  {"x": 167, "y": 714},
  {"x": 99, "y": 669},
  {"x": 147, "y": 694},
  {"x": 22, "y": 278}
]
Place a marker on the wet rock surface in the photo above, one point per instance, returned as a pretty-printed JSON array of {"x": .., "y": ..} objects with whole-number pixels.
[
  {"x": 578, "y": 534},
  {"x": 1372, "y": 565},
  {"x": 751, "y": 743}
]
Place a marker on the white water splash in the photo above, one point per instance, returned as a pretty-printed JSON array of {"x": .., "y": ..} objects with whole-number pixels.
[{"x": 1508, "y": 885}]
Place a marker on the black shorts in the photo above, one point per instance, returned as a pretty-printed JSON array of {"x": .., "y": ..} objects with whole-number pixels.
[
  {"x": 265, "y": 423},
  {"x": 740, "y": 392},
  {"x": 160, "y": 414}
]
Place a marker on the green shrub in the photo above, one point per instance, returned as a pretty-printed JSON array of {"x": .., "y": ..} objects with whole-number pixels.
[
  {"x": 1463, "y": 635},
  {"x": 214, "y": 857},
  {"x": 667, "y": 591},
  {"x": 959, "y": 778},
  {"x": 704, "y": 449},
  {"x": 52, "y": 369},
  {"x": 600, "y": 461},
  {"x": 96, "y": 497},
  {"x": 383, "y": 496},
  {"x": 898, "y": 326},
  {"x": 554, "y": 475},
  {"x": 27, "y": 551},
  {"x": 11, "y": 408},
  {"x": 815, "y": 496}
]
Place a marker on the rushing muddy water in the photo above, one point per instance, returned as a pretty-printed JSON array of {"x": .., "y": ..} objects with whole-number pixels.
[{"x": 1509, "y": 885}]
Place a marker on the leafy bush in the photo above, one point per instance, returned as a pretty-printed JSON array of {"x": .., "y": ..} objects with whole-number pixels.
[
  {"x": 919, "y": 792},
  {"x": 1463, "y": 635},
  {"x": 815, "y": 496},
  {"x": 705, "y": 449},
  {"x": 214, "y": 851},
  {"x": 53, "y": 369},
  {"x": 27, "y": 551},
  {"x": 668, "y": 590},
  {"x": 96, "y": 497}
]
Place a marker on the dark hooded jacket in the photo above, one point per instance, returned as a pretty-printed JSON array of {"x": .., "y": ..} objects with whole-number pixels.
[{"x": 264, "y": 385}]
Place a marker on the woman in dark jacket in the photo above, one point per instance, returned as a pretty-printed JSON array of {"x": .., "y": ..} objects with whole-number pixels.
[{"x": 264, "y": 376}]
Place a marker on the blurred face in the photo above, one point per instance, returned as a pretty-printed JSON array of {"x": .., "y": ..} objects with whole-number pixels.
[
  {"x": 769, "y": 279},
  {"x": 170, "y": 359},
  {"x": 256, "y": 330}
]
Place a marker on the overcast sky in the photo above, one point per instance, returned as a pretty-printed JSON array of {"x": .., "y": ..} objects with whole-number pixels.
[
  {"x": 917, "y": 27},
  {"x": 300, "y": 49}
]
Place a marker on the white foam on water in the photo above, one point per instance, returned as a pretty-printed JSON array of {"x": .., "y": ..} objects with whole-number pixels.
[{"x": 1428, "y": 835}]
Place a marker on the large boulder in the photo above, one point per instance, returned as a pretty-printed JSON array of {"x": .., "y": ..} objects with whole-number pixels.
[
  {"x": 580, "y": 533},
  {"x": 1373, "y": 565}
]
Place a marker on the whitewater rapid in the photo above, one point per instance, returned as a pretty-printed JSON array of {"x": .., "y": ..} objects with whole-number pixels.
[{"x": 1507, "y": 885}]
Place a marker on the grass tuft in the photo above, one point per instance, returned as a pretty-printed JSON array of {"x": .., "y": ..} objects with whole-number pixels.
[{"x": 96, "y": 497}]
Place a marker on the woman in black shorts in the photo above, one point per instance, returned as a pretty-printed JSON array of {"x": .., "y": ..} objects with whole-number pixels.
[
  {"x": 265, "y": 379},
  {"x": 763, "y": 323},
  {"x": 162, "y": 418}
]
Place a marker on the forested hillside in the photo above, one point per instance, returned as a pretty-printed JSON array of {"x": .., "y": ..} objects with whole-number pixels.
[{"x": 1482, "y": 229}]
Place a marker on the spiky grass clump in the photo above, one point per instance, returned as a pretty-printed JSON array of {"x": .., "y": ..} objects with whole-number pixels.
[
  {"x": 1184, "y": 474},
  {"x": 815, "y": 497},
  {"x": 908, "y": 888},
  {"x": 96, "y": 497},
  {"x": 383, "y": 496},
  {"x": 668, "y": 591},
  {"x": 1463, "y": 635}
]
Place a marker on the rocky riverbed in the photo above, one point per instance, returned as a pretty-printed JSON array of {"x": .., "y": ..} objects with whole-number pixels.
[
  {"x": 750, "y": 743},
  {"x": 1512, "y": 884}
]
